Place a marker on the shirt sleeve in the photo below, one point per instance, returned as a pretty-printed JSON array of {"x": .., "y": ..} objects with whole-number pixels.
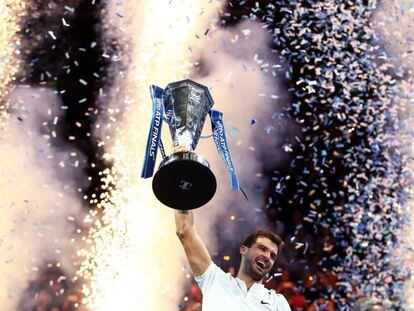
[
  {"x": 281, "y": 303},
  {"x": 205, "y": 281}
]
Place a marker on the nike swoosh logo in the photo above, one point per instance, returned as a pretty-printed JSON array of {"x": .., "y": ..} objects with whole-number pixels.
[{"x": 264, "y": 303}]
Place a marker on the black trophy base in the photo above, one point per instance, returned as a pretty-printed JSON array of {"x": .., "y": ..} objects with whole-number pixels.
[{"x": 184, "y": 181}]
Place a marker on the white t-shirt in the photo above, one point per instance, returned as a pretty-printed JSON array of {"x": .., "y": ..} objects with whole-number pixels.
[{"x": 221, "y": 291}]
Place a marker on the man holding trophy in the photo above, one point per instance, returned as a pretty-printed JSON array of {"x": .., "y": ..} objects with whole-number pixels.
[{"x": 184, "y": 182}]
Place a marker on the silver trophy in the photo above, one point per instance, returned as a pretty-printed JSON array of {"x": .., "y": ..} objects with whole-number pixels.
[{"x": 184, "y": 180}]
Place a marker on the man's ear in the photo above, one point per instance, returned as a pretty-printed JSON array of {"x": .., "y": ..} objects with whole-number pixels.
[{"x": 243, "y": 249}]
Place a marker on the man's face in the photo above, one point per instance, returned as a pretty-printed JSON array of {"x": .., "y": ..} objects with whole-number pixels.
[{"x": 259, "y": 258}]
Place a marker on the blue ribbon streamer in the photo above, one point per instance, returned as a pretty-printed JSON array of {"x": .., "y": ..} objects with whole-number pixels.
[
  {"x": 162, "y": 150},
  {"x": 154, "y": 136},
  {"x": 219, "y": 136}
]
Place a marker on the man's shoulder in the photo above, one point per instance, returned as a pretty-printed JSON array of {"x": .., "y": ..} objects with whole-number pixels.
[
  {"x": 217, "y": 269},
  {"x": 276, "y": 296},
  {"x": 212, "y": 275},
  {"x": 211, "y": 270},
  {"x": 280, "y": 301},
  {"x": 280, "y": 297}
]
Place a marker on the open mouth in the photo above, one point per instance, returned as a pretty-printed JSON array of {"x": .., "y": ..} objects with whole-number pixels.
[{"x": 261, "y": 264}]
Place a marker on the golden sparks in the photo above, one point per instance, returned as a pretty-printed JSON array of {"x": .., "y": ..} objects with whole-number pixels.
[
  {"x": 132, "y": 257},
  {"x": 11, "y": 13}
]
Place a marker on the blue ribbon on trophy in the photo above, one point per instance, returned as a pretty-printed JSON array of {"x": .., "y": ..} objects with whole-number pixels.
[
  {"x": 154, "y": 137},
  {"x": 184, "y": 179},
  {"x": 220, "y": 139},
  {"x": 219, "y": 136}
]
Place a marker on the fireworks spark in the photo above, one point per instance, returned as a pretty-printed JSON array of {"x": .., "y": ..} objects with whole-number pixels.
[
  {"x": 133, "y": 257},
  {"x": 11, "y": 13}
]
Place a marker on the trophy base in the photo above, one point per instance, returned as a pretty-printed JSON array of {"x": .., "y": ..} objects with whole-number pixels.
[{"x": 184, "y": 181}]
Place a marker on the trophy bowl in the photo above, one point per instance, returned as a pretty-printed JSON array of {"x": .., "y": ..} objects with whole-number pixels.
[{"x": 184, "y": 181}]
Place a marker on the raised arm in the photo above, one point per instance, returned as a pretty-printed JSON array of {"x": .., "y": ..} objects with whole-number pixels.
[{"x": 197, "y": 253}]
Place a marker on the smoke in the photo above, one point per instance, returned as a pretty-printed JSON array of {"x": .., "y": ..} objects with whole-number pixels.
[
  {"x": 240, "y": 70},
  {"x": 38, "y": 204},
  {"x": 148, "y": 43},
  {"x": 394, "y": 22}
]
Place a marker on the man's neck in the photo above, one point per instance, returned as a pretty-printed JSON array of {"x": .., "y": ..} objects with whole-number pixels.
[{"x": 248, "y": 280}]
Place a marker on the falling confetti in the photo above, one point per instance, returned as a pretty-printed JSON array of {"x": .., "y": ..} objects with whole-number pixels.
[{"x": 347, "y": 101}]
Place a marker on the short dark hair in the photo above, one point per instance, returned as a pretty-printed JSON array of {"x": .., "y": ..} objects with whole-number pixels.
[{"x": 252, "y": 238}]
